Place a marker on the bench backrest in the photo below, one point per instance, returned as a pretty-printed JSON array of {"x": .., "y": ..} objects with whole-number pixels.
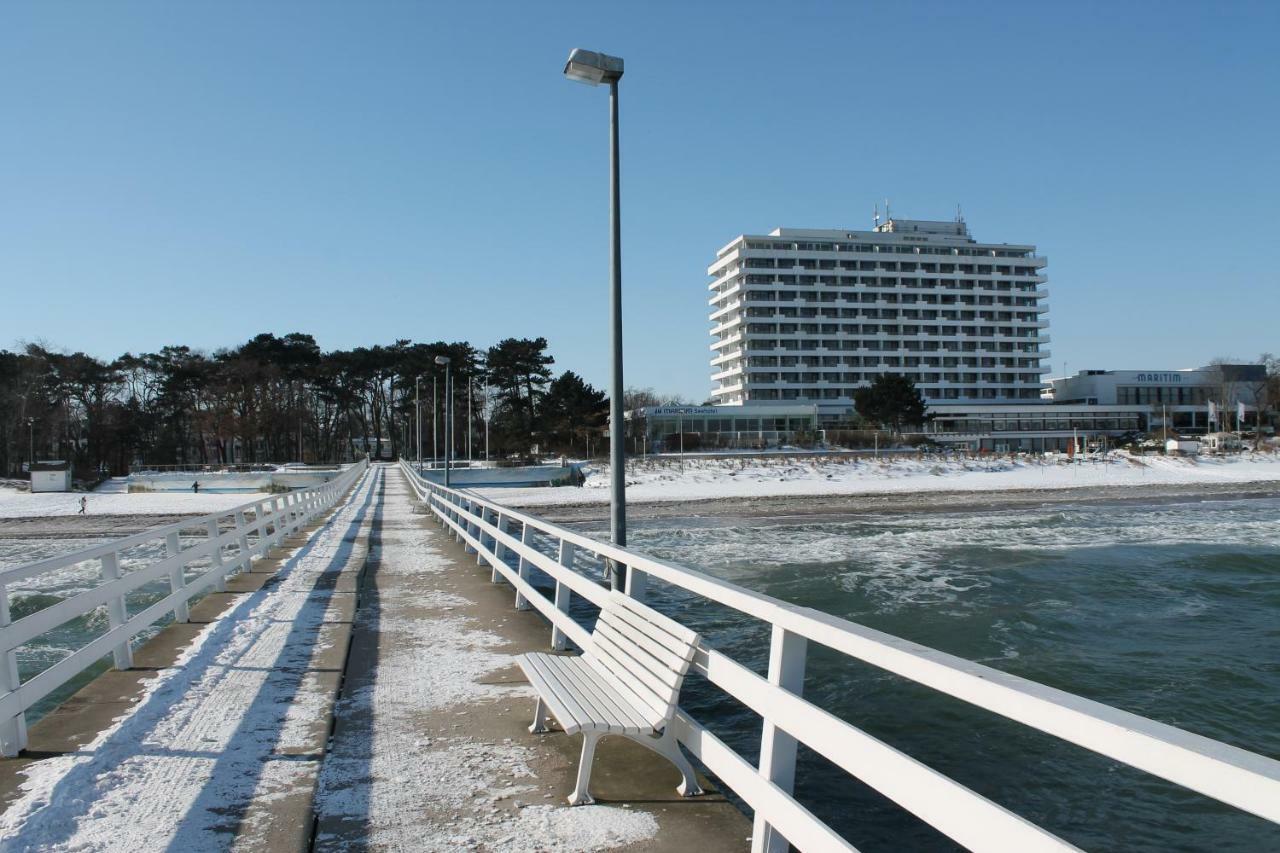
[{"x": 643, "y": 654}]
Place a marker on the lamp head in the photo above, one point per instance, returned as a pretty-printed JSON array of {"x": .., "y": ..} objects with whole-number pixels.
[
  {"x": 442, "y": 359},
  {"x": 587, "y": 66}
]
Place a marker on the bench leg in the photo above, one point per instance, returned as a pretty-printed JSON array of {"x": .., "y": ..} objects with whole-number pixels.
[
  {"x": 668, "y": 748},
  {"x": 581, "y": 796},
  {"x": 539, "y": 718}
]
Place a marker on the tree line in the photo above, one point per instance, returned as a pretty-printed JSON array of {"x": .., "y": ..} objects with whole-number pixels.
[{"x": 278, "y": 399}]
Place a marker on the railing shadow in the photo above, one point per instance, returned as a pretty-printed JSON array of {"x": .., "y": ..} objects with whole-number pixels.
[
  {"x": 344, "y": 801},
  {"x": 233, "y": 780}
]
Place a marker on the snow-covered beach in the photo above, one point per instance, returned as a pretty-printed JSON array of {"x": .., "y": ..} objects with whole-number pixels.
[
  {"x": 663, "y": 480},
  {"x": 21, "y": 504},
  {"x": 113, "y": 498}
]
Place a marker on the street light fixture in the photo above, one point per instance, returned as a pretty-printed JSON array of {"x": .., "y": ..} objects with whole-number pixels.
[
  {"x": 586, "y": 66},
  {"x": 448, "y": 421}
]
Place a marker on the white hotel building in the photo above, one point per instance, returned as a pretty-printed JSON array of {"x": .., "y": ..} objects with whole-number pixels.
[{"x": 805, "y": 316}]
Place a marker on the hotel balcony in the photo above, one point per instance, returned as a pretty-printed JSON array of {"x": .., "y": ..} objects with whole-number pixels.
[
  {"x": 727, "y": 325},
  {"x": 730, "y": 341}
]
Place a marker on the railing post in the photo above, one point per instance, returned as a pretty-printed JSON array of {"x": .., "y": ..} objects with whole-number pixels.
[
  {"x": 500, "y": 549},
  {"x": 260, "y": 520},
  {"x": 277, "y": 528},
  {"x": 173, "y": 547},
  {"x": 526, "y": 538},
  {"x": 215, "y": 557},
  {"x": 777, "y": 748},
  {"x": 565, "y": 558},
  {"x": 470, "y": 527},
  {"x": 117, "y": 612},
  {"x": 242, "y": 542},
  {"x": 637, "y": 582},
  {"x": 478, "y": 513},
  {"x": 13, "y": 731}
]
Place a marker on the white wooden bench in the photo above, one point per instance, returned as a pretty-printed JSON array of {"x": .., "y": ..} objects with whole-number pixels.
[{"x": 627, "y": 683}]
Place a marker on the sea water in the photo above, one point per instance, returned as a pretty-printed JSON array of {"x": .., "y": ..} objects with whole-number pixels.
[
  {"x": 1170, "y": 611},
  {"x": 29, "y": 595}
]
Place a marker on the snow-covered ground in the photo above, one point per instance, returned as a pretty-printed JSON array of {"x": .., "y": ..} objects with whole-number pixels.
[
  {"x": 15, "y": 504},
  {"x": 708, "y": 479}
]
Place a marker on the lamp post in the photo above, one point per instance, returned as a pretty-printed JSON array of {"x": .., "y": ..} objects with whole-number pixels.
[
  {"x": 593, "y": 68},
  {"x": 31, "y": 425},
  {"x": 435, "y": 424},
  {"x": 417, "y": 416},
  {"x": 448, "y": 430}
]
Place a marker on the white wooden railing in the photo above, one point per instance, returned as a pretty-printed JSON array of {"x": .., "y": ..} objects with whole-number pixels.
[
  {"x": 230, "y": 541},
  {"x": 499, "y": 535}
]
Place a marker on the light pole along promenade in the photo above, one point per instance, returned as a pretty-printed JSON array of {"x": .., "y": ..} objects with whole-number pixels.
[
  {"x": 586, "y": 66},
  {"x": 448, "y": 416}
]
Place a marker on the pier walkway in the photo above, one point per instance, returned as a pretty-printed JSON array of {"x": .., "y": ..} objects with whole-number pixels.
[{"x": 354, "y": 691}]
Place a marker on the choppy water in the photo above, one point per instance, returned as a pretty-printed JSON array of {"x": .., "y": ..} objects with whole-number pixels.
[
  {"x": 30, "y": 595},
  {"x": 1170, "y": 611}
]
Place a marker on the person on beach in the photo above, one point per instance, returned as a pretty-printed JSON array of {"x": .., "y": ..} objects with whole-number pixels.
[
  {"x": 195, "y": 487},
  {"x": 84, "y": 502}
]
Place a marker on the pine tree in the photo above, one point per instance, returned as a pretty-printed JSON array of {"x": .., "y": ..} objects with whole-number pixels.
[{"x": 891, "y": 400}]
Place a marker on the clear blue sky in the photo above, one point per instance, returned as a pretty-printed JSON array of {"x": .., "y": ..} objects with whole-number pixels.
[{"x": 200, "y": 172}]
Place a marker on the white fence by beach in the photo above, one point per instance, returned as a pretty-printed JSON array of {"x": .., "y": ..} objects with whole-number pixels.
[
  {"x": 504, "y": 539},
  {"x": 230, "y": 540}
]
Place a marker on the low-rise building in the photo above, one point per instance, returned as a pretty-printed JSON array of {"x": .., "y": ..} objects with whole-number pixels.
[
  {"x": 1184, "y": 396},
  {"x": 659, "y": 428},
  {"x": 51, "y": 476},
  {"x": 1033, "y": 428}
]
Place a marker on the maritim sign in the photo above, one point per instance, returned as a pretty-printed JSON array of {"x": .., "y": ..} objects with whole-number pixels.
[
  {"x": 1162, "y": 378},
  {"x": 682, "y": 410}
]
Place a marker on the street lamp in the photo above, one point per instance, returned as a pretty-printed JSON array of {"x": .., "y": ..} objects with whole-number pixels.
[
  {"x": 448, "y": 429},
  {"x": 593, "y": 68},
  {"x": 417, "y": 416}
]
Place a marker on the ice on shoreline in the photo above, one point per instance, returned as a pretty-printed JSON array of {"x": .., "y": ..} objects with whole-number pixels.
[{"x": 661, "y": 480}]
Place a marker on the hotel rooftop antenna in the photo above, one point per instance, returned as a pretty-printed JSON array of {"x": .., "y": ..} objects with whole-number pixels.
[{"x": 876, "y": 219}]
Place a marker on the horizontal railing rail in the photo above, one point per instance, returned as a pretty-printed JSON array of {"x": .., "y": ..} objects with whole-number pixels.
[
  {"x": 231, "y": 540},
  {"x": 495, "y": 533}
]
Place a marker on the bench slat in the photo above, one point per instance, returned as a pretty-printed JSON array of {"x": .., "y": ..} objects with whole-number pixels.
[
  {"x": 664, "y": 665},
  {"x": 654, "y": 717},
  {"x": 647, "y": 631},
  {"x": 640, "y": 694},
  {"x": 658, "y": 692},
  {"x": 560, "y": 701},
  {"x": 672, "y": 628},
  {"x": 573, "y": 683},
  {"x": 613, "y": 711}
]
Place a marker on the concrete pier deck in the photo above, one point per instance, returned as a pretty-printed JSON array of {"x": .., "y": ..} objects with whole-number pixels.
[
  {"x": 431, "y": 747},
  {"x": 226, "y": 735}
]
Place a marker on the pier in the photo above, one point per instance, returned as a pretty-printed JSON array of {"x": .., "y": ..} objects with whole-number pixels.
[{"x": 346, "y": 679}]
